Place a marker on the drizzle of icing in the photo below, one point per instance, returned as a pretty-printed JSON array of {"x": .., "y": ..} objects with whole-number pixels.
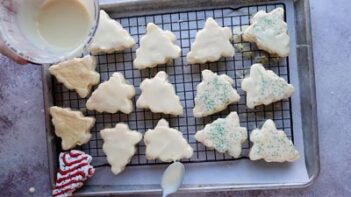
[{"x": 74, "y": 169}]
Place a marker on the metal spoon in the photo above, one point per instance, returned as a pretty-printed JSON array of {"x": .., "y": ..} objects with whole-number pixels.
[{"x": 172, "y": 178}]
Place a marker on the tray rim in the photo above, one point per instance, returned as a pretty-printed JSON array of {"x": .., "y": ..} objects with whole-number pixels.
[{"x": 304, "y": 53}]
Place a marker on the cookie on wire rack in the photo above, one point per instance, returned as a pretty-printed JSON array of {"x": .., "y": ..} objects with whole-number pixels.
[
  {"x": 214, "y": 94},
  {"x": 110, "y": 36},
  {"x": 119, "y": 146},
  {"x": 211, "y": 43},
  {"x": 71, "y": 126},
  {"x": 157, "y": 46},
  {"x": 270, "y": 32},
  {"x": 158, "y": 95},
  {"x": 264, "y": 87},
  {"x": 112, "y": 96},
  {"x": 166, "y": 144},
  {"x": 272, "y": 144},
  {"x": 77, "y": 74}
]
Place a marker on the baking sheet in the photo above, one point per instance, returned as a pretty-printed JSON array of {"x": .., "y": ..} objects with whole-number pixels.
[
  {"x": 230, "y": 172},
  {"x": 207, "y": 167}
]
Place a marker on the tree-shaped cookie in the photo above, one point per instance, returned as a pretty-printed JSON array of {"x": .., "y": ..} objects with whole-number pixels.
[
  {"x": 214, "y": 94},
  {"x": 112, "y": 96},
  {"x": 71, "y": 126},
  {"x": 156, "y": 47},
  {"x": 77, "y": 74},
  {"x": 75, "y": 169},
  {"x": 119, "y": 146},
  {"x": 166, "y": 144},
  {"x": 271, "y": 144},
  {"x": 264, "y": 87},
  {"x": 159, "y": 96},
  {"x": 269, "y": 32},
  {"x": 110, "y": 36},
  {"x": 224, "y": 135},
  {"x": 211, "y": 43}
]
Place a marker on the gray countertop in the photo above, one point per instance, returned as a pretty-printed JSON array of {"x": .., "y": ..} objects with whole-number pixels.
[{"x": 23, "y": 152}]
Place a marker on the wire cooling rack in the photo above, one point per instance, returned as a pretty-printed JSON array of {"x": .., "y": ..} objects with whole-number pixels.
[{"x": 185, "y": 78}]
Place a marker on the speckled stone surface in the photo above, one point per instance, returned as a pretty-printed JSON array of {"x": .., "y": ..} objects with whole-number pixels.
[{"x": 23, "y": 153}]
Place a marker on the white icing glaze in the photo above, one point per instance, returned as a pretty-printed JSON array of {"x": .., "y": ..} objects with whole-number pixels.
[
  {"x": 224, "y": 135},
  {"x": 119, "y": 146},
  {"x": 172, "y": 178},
  {"x": 159, "y": 96},
  {"x": 214, "y": 94},
  {"x": 269, "y": 32},
  {"x": 156, "y": 47},
  {"x": 264, "y": 87},
  {"x": 71, "y": 126},
  {"x": 112, "y": 96},
  {"x": 78, "y": 74},
  {"x": 110, "y": 36},
  {"x": 271, "y": 144},
  {"x": 166, "y": 144},
  {"x": 211, "y": 43}
]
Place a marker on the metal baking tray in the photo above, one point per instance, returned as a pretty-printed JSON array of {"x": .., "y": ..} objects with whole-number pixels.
[{"x": 207, "y": 170}]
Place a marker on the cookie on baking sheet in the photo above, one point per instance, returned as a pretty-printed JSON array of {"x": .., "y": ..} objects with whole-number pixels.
[
  {"x": 214, "y": 94},
  {"x": 119, "y": 146},
  {"x": 71, "y": 126},
  {"x": 159, "y": 96},
  {"x": 269, "y": 32},
  {"x": 211, "y": 43},
  {"x": 112, "y": 96},
  {"x": 264, "y": 87},
  {"x": 110, "y": 36},
  {"x": 157, "y": 46},
  {"x": 166, "y": 144},
  {"x": 77, "y": 74},
  {"x": 224, "y": 135},
  {"x": 74, "y": 170},
  {"x": 271, "y": 144}
]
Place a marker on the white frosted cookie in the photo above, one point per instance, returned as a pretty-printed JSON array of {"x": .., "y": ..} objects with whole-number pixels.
[
  {"x": 214, "y": 94},
  {"x": 119, "y": 146},
  {"x": 159, "y": 96},
  {"x": 211, "y": 43},
  {"x": 224, "y": 135},
  {"x": 77, "y": 74},
  {"x": 112, "y": 96},
  {"x": 269, "y": 32},
  {"x": 156, "y": 47},
  {"x": 264, "y": 87},
  {"x": 166, "y": 144},
  {"x": 71, "y": 126},
  {"x": 271, "y": 144},
  {"x": 110, "y": 36}
]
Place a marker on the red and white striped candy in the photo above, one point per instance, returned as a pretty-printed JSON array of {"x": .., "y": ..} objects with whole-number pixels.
[{"x": 74, "y": 169}]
